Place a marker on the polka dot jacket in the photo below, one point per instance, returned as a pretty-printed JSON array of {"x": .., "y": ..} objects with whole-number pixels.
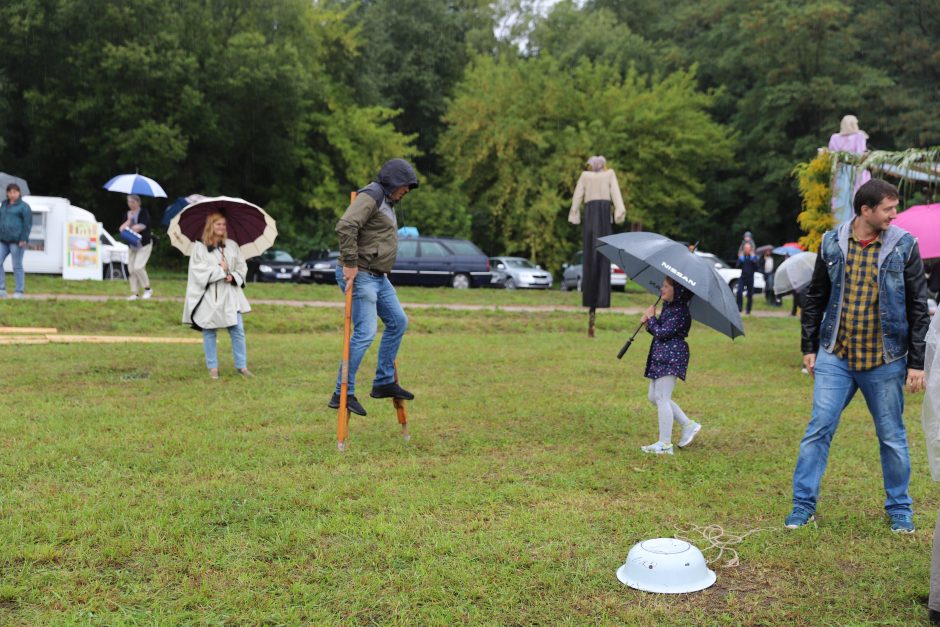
[{"x": 669, "y": 352}]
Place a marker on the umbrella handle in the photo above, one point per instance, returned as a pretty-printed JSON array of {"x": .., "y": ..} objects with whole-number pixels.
[{"x": 626, "y": 347}]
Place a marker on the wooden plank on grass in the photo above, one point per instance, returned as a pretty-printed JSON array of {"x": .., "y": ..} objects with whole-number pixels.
[
  {"x": 28, "y": 330},
  {"x": 23, "y": 339},
  {"x": 122, "y": 339}
]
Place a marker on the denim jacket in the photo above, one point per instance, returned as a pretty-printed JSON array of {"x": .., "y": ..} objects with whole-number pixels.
[{"x": 902, "y": 295}]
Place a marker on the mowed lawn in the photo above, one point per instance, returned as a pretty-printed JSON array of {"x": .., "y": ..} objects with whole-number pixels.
[{"x": 135, "y": 490}]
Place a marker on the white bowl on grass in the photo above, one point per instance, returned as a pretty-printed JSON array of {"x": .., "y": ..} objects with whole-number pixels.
[{"x": 666, "y": 565}]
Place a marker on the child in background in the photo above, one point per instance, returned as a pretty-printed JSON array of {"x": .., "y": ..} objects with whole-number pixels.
[{"x": 669, "y": 359}]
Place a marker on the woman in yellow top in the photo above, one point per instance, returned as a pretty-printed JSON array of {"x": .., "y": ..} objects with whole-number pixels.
[{"x": 597, "y": 189}]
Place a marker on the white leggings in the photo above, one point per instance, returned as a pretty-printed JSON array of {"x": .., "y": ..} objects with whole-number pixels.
[{"x": 661, "y": 395}]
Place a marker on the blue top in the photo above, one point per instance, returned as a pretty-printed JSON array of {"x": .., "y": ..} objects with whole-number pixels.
[
  {"x": 749, "y": 264},
  {"x": 16, "y": 221},
  {"x": 669, "y": 352}
]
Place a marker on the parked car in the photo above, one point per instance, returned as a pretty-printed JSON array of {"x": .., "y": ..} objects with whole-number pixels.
[
  {"x": 421, "y": 261},
  {"x": 440, "y": 261},
  {"x": 273, "y": 265},
  {"x": 729, "y": 274},
  {"x": 518, "y": 272},
  {"x": 571, "y": 275},
  {"x": 320, "y": 269}
]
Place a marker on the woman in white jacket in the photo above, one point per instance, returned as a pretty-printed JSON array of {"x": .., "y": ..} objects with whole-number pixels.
[{"x": 214, "y": 296}]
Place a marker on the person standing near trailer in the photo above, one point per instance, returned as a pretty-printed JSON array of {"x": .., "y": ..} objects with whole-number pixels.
[{"x": 16, "y": 221}]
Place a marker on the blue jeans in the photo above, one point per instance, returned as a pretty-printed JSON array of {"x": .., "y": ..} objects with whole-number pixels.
[
  {"x": 239, "y": 349},
  {"x": 373, "y": 297},
  {"x": 835, "y": 385},
  {"x": 19, "y": 275}
]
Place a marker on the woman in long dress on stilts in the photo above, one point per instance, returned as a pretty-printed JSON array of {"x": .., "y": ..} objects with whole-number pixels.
[{"x": 597, "y": 189}]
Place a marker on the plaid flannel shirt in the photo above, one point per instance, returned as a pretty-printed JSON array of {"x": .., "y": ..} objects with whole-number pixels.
[{"x": 859, "y": 337}]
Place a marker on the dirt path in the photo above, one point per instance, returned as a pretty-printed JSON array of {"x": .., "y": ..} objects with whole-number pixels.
[{"x": 781, "y": 313}]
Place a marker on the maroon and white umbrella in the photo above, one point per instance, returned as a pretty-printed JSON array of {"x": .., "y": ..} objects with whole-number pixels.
[{"x": 249, "y": 225}]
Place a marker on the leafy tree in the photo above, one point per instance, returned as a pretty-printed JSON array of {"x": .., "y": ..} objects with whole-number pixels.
[
  {"x": 521, "y": 129},
  {"x": 815, "y": 182},
  {"x": 235, "y": 98}
]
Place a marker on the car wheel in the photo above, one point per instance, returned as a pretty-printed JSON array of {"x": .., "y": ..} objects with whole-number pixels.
[
  {"x": 562, "y": 285},
  {"x": 509, "y": 284},
  {"x": 733, "y": 285},
  {"x": 460, "y": 281}
]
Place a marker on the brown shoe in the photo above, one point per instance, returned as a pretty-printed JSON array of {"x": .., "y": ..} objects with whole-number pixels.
[
  {"x": 245, "y": 372},
  {"x": 213, "y": 373}
]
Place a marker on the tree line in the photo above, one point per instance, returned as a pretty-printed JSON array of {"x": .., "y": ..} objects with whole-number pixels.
[{"x": 702, "y": 106}]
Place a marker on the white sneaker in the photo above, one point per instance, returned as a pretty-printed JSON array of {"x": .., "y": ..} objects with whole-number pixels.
[
  {"x": 148, "y": 294},
  {"x": 18, "y": 295},
  {"x": 688, "y": 434},
  {"x": 133, "y": 297},
  {"x": 658, "y": 448}
]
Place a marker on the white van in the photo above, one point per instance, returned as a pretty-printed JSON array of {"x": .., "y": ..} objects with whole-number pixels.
[{"x": 44, "y": 252}]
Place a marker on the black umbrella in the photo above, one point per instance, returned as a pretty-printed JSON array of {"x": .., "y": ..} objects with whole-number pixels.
[{"x": 648, "y": 257}]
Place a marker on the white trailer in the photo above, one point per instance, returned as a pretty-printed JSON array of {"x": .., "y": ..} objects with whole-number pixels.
[{"x": 46, "y": 250}]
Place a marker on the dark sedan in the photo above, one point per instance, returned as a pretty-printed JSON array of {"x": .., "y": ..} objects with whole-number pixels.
[
  {"x": 272, "y": 266},
  {"x": 321, "y": 269},
  {"x": 420, "y": 261}
]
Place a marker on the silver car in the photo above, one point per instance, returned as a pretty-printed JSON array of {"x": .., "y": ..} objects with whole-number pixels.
[
  {"x": 517, "y": 272},
  {"x": 571, "y": 276}
]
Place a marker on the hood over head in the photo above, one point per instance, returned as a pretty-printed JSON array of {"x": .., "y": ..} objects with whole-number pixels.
[
  {"x": 396, "y": 173},
  {"x": 681, "y": 295}
]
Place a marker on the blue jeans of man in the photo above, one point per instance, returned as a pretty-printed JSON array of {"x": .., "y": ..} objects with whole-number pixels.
[
  {"x": 373, "y": 297},
  {"x": 239, "y": 348},
  {"x": 835, "y": 385},
  {"x": 19, "y": 275}
]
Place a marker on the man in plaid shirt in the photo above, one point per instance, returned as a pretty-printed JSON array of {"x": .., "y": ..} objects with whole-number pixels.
[{"x": 863, "y": 328}]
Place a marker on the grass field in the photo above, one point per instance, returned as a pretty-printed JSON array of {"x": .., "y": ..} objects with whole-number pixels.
[{"x": 135, "y": 490}]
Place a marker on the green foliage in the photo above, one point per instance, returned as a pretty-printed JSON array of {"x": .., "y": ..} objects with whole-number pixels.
[
  {"x": 222, "y": 98},
  {"x": 815, "y": 184},
  {"x": 521, "y": 129}
]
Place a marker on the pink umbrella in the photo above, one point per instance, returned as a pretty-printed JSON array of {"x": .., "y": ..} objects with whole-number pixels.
[{"x": 923, "y": 222}]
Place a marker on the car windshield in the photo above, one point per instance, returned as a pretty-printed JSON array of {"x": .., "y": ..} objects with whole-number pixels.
[
  {"x": 715, "y": 260},
  {"x": 518, "y": 262},
  {"x": 277, "y": 255}
]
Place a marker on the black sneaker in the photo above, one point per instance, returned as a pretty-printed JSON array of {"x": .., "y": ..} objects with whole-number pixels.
[
  {"x": 352, "y": 404},
  {"x": 391, "y": 390}
]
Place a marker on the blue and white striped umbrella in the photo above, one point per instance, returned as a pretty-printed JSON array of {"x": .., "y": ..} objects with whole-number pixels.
[{"x": 135, "y": 184}]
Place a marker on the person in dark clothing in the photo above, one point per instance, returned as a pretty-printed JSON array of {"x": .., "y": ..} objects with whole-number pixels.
[
  {"x": 669, "y": 359},
  {"x": 749, "y": 264}
]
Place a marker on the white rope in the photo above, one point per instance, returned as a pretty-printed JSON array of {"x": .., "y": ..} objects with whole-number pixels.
[{"x": 717, "y": 538}]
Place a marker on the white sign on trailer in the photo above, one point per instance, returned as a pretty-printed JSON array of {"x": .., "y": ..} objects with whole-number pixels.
[{"x": 82, "y": 251}]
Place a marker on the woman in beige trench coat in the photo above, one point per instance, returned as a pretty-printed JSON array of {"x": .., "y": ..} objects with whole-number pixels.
[{"x": 214, "y": 296}]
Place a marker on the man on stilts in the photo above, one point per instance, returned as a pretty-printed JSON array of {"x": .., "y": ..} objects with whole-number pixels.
[
  {"x": 597, "y": 188},
  {"x": 368, "y": 244}
]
